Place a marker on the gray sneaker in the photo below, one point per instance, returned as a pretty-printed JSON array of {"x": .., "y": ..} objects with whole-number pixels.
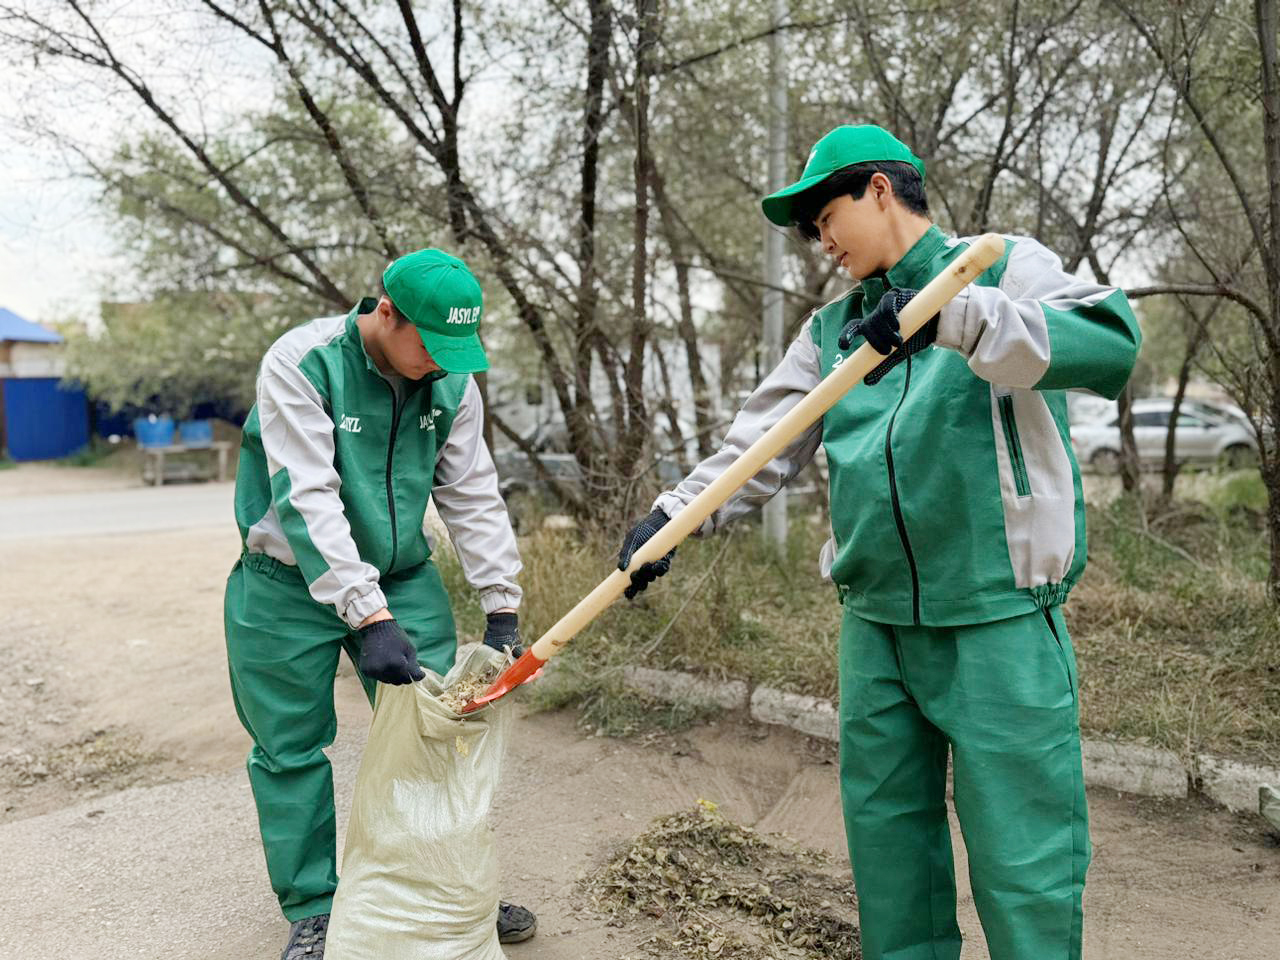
[
  {"x": 306, "y": 938},
  {"x": 515, "y": 924}
]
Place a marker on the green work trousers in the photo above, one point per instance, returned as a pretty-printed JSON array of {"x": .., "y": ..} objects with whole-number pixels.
[
  {"x": 282, "y": 650},
  {"x": 1002, "y": 698}
]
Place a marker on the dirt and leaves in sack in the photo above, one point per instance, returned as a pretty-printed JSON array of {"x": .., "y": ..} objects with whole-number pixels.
[{"x": 715, "y": 889}]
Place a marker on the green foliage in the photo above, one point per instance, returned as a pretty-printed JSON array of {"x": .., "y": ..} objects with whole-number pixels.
[
  {"x": 176, "y": 352},
  {"x": 1239, "y": 489},
  {"x": 90, "y": 455},
  {"x": 183, "y": 233},
  {"x": 101, "y": 454},
  {"x": 216, "y": 302}
]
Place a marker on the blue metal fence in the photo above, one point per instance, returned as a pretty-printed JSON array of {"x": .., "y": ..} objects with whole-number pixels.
[{"x": 44, "y": 420}]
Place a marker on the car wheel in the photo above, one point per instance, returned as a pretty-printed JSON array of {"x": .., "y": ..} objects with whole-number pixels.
[
  {"x": 1106, "y": 460},
  {"x": 1239, "y": 456}
]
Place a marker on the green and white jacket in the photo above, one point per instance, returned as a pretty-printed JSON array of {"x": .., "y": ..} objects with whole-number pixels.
[
  {"x": 338, "y": 463},
  {"x": 955, "y": 496}
]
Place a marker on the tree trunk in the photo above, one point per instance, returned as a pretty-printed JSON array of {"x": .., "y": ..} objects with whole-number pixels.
[
  {"x": 1130, "y": 477},
  {"x": 638, "y": 425},
  {"x": 1130, "y": 469},
  {"x": 1271, "y": 478},
  {"x": 1171, "y": 465},
  {"x": 588, "y": 295},
  {"x": 1169, "y": 470},
  {"x": 688, "y": 332},
  {"x": 1268, "y": 22}
]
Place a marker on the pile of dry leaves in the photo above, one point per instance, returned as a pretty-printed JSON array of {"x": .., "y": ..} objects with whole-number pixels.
[{"x": 719, "y": 890}]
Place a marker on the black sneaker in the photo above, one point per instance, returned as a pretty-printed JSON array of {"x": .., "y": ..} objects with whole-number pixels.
[
  {"x": 306, "y": 938},
  {"x": 515, "y": 924}
]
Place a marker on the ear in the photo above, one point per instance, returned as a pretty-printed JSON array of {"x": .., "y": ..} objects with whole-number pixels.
[
  {"x": 386, "y": 312},
  {"x": 881, "y": 187}
]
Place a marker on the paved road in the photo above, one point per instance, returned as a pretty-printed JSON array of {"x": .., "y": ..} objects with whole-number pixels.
[{"x": 131, "y": 510}]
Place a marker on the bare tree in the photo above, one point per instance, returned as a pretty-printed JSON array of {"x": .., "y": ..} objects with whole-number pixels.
[{"x": 1233, "y": 118}]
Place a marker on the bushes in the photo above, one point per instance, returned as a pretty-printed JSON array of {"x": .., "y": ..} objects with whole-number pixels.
[{"x": 1176, "y": 640}]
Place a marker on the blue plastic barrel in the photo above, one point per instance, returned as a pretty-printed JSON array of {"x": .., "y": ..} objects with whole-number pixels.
[
  {"x": 153, "y": 431},
  {"x": 196, "y": 433}
]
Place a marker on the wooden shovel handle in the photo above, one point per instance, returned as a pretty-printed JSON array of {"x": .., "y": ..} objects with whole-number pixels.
[{"x": 985, "y": 251}]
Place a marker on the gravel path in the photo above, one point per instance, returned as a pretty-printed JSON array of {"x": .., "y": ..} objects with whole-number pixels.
[{"x": 123, "y": 633}]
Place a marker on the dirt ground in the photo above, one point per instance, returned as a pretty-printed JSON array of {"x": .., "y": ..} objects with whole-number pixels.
[{"x": 117, "y": 679}]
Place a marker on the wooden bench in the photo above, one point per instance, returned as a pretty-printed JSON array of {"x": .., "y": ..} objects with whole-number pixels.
[{"x": 155, "y": 458}]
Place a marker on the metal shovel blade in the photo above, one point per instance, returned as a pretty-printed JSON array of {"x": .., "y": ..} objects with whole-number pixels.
[{"x": 523, "y": 670}]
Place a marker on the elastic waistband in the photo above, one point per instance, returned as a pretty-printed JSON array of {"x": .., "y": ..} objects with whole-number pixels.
[{"x": 271, "y": 567}]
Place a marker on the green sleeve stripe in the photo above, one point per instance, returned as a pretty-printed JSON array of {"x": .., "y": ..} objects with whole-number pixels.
[
  {"x": 312, "y": 366},
  {"x": 815, "y": 331},
  {"x": 1093, "y": 346},
  {"x": 993, "y": 276},
  {"x": 310, "y": 561}
]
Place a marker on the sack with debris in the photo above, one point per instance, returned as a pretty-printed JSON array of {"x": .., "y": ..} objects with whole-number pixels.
[{"x": 419, "y": 870}]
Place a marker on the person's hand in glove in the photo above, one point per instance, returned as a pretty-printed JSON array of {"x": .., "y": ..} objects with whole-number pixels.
[
  {"x": 387, "y": 654},
  {"x": 638, "y": 535},
  {"x": 502, "y": 632},
  {"x": 881, "y": 329}
]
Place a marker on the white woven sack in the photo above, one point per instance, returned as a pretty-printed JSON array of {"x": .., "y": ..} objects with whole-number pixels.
[{"x": 419, "y": 869}]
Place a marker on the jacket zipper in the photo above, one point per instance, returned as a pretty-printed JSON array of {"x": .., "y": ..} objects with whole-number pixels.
[
  {"x": 1020, "y": 480},
  {"x": 396, "y": 407},
  {"x": 897, "y": 506}
]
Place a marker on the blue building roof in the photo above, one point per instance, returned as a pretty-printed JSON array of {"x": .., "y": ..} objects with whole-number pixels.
[{"x": 13, "y": 327}]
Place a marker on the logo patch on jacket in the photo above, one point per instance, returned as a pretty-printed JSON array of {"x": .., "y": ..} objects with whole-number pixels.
[
  {"x": 350, "y": 424},
  {"x": 428, "y": 421}
]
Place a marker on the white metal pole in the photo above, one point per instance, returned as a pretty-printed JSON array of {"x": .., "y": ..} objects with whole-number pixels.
[{"x": 775, "y": 511}]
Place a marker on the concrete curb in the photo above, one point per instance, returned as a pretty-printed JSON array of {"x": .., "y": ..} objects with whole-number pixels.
[
  {"x": 1133, "y": 768},
  {"x": 1128, "y": 767},
  {"x": 672, "y": 685},
  {"x": 808, "y": 715},
  {"x": 1232, "y": 784}
]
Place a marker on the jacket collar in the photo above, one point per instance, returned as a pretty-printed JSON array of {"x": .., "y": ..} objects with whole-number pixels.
[
  {"x": 916, "y": 268},
  {"x": 366, "y": 305}
]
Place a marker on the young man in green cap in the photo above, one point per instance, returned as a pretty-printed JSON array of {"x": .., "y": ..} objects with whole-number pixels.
[
  {"x": 360, "y": 420},
  {"x": 958, "y": 531}
]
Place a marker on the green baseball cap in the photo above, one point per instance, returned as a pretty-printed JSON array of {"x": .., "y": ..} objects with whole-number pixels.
[
  {"x": 842, "y": 147},
  {"x": 439, "y": 296}
]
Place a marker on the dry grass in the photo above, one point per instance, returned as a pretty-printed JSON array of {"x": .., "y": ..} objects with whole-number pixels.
[
  {"x": 1176, "y": 641},
  {"x": 728, "y": 609}
]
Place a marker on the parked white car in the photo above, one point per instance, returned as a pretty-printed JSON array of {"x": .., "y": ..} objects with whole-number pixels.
[{"x": 1204, "y": 434}]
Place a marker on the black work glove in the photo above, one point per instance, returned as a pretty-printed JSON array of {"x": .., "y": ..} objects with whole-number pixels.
[
  {"x": 387, "y": 654},
  {"x": 502, "y": 632},
  {"x": 640, "y": 534},
  {"x": 880, "y": 328}
]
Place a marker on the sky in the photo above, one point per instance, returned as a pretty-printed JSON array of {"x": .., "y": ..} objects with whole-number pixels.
[
  {"x": 55, "y": 251},
  {"x": 58, "y": 259}
]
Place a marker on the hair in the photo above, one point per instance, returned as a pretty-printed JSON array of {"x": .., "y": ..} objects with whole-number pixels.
[
  {"x": 399, "y": 317},
  {"x": 908, "y": 187}
]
